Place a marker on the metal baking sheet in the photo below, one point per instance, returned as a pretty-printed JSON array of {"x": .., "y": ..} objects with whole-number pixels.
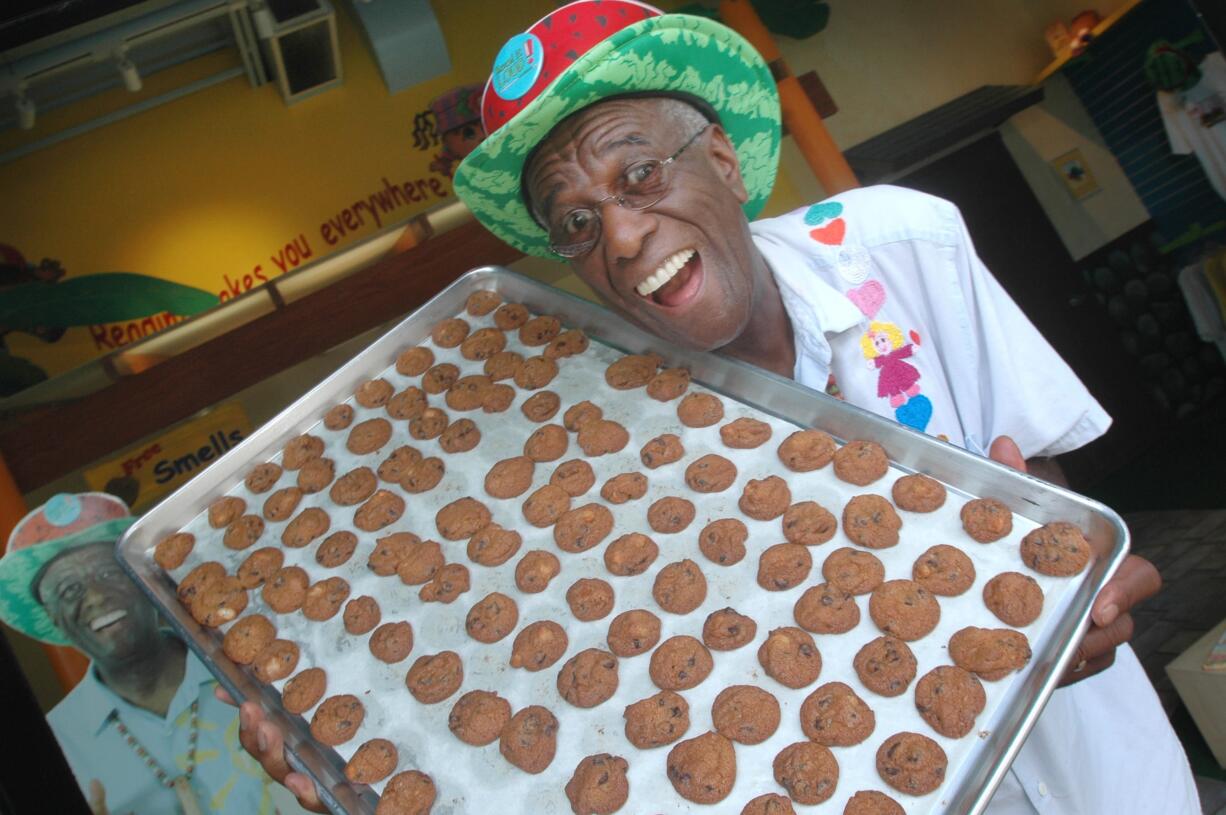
[{"x": 977, "y": 764}]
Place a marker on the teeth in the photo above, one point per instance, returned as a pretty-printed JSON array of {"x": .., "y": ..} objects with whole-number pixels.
[
  {"x": 102, "y": 622},
  {"x": 667, "y": 271}
]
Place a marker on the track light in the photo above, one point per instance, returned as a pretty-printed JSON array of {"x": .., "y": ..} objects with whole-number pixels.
[
  {"x": 131, "y": 76},
  {"x": 25, "y": 111}
]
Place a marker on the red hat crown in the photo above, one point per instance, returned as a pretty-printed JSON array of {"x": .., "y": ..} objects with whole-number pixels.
[{"x": 564, "y": 36}]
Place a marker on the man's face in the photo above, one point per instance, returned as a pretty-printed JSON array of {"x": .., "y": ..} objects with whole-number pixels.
[
  {"x": 707, "y": 301},
  {"x": 95, "y": 604}
]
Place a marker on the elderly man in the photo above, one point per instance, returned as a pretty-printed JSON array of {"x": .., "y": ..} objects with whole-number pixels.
[{"x": 638, "y": 148}]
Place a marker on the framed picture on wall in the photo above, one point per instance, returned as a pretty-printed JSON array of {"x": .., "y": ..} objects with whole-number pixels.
[{"x": 1072, "y": 168}]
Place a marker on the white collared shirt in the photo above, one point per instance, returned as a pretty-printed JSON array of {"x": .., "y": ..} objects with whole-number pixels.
[{"x": 892, "y": 310}]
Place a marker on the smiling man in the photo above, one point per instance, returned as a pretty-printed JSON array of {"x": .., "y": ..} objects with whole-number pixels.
[
  {"x": 143, "y": 731},
  {"x": 638, "y": 147}
]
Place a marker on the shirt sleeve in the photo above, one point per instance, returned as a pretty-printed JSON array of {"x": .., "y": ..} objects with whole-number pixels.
[
  {"x": 1171, "y": 111},
  {"x": 1024, "y": 389}
]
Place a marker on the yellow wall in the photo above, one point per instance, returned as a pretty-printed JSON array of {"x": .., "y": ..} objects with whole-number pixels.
[{"x": 208, "y": 190}]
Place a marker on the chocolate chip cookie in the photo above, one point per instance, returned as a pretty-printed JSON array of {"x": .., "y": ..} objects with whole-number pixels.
[
  {"x": 541, "y": 406},
  {"x": 337, "y": 719},
  {"x": 918, "y": 493},
  {"x": 493, "y": 545},
  {"x": 710, "y": 473},
  {"x": 599, "y": 437},
  {"x": 790, "y": 657},
  {"x": 588, "y": 678},
  {"x": 745, "y": 433},
  {"x": 949, "y": 698},
  {"x": 547, "y": 443},
  {"x": 807, "y": 450},
  {"x": 304, "y": 690},
  {"x": 700, "y": 410},
  {"x": 434, "y": 677},
  {"x": 670, "y": 515},
  {"x": 598, "y": 786},
  {"x": 414, "y": 361},
  {"x": 630, "y": 554},
  {"x": 835, "y": 716},
  {"x": 461, "y": 519},
  {"x": 809, "y": 524},
  {"x": 727, "y": 629},
  {"x": 477, "y": 718},
  {"x": 392, "y": 642},
  {"x": 784, "y": 566},
  {"x": 885, "y": 665},
  {"x": 336, "y": 549},
  {"x": 539, "y": 645},
  {"x": 745, "y": 714},
  {"x": 491, "y": 618},
  {"x": 530, "y": 740},
  {"x": 703, "y": 769},
  {"x": 576, "y": 477},
  {"x": 624, "y": 487},
  {"x": 680, "y": 587},
  {"x": 262, "y": 477},
  {"x": 535, "y": 570},
  {"x": 989, "y": 653},
  {"x": 663, "y": 449},
  {"x": 723, "y": 541},
  {"x": 590, "y": 599},
  {"x": 632, "y": 371},
  {"x": 944, "y": 570},
  {"x": 582, "y": 528},
  {"x": 301, "y": 449},
  {"x": 808, "y": 771},
  {"x": 448, "y": 583},
  {"x": 680, "y": 663},
  {"x": 372, "y": 762},
  {"x": 986, "y": 519},
  {"x": 1014, "y": 598},
  {"x": 658, "y": 720},
  {"x": 854, "y": 571},
  {"x": 826, "y": 609},
  {"x": 1056, "y": 549},
  {"x": 904, "y": 609},
  {"x": 870, "y": 521},
  {"x": 765, "y": 499},
  {"x": 361, "y": 615},
  {"x": 860, "y": 462},
  {"x": 668, "y": 384},
  {"x": 633, "y": 632},
  {"x": 911, "y": 763}
]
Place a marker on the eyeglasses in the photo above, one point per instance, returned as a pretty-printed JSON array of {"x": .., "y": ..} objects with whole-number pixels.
[{"x": 641, "y": 185}]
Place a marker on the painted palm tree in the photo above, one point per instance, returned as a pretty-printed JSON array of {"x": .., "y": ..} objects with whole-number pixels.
[{"x": 36, "y": 299}]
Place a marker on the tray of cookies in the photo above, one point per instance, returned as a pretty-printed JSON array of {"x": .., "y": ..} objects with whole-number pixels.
[{"x": 518, "y": 554}]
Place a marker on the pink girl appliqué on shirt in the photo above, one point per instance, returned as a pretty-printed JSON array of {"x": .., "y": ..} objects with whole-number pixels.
[{"x": 885, "y": 349}]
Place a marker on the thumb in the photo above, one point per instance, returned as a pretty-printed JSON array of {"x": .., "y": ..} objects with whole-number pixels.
[
  {"x": 1005, "y": 450},
  {"x": 97, "y": 798}
]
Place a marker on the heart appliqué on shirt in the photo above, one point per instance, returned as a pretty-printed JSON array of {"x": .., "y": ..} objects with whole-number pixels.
[
  {"x": 917, "y": 412},
  {"x": 831, "y": 234},
  {"x": 869, "y": 298},
  {"x": 819, "y": 213}
]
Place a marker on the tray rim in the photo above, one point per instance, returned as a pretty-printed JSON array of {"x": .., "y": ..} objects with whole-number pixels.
[{"x": 919, "y": 452}]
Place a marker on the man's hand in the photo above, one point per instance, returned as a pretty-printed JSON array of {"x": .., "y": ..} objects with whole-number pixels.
[
  {"x": 97, "y": 798},
  {"x": 263, "y": 740},
  {"x": 1110, "y": 619}
]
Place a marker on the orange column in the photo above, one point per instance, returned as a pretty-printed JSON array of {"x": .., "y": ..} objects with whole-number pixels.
[
  {"x": 68, "y": 663},
  {"x": 803, "y": 122}
]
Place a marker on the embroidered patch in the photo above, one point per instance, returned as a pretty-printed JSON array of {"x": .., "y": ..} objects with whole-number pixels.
[
  {"x": 917, "y": 412},
  {"x": 898, "y": 381},
  {"x": 819, "y": 213},
  {"x": 831, "y": 234},
  {"x": 869, "y": 298},
  {"x": 855, "y": 263}
]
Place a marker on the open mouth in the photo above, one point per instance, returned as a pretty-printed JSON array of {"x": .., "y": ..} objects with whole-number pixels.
[
  {"x": 676, "y": 281},
  {"x": 107, "y": 620}
]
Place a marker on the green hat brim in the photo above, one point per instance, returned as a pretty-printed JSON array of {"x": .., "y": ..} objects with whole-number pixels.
[
  {"x": 18, "y": 605},
  {"x": 672, "y": 53}
]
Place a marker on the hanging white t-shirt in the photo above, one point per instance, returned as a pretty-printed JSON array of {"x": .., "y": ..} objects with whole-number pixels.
[
  {"x": 892, "y": 310},
  {"x": 1195, "y": 120}
]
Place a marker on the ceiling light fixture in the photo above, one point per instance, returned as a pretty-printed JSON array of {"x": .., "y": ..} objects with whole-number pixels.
[{"x": 26, "y": 111}]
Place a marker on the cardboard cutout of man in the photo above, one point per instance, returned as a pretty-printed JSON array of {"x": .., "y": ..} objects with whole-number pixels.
[{"x": 143, "y": 731}]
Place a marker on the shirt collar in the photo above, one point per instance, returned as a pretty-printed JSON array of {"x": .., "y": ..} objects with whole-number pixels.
[
  {"x": 94, "y": 702},
  {"x": 814, "y": 306}
]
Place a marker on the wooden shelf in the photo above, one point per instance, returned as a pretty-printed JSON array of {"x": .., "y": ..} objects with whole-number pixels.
[{"x": 1110, "y": 20}]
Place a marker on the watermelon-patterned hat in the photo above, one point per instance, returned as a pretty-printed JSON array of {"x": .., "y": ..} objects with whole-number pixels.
[{"x": 591, "y": 50}]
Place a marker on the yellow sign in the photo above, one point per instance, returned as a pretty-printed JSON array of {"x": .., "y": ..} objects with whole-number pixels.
[{"x": 146, "y": 472}]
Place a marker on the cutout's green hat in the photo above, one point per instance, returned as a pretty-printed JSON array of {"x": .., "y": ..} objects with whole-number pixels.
[
  {"x": 591, "y": 50},
  {"x": 65, "y": 522}
]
